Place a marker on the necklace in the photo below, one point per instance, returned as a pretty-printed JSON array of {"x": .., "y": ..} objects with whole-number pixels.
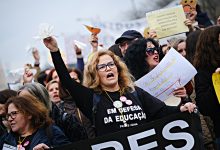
[
  {"x": 118, "y": 104},
  {"x": 21, "y": 141}
]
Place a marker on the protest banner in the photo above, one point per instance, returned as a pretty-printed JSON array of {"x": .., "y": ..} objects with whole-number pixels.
[
  {"x": 173, "y": 72},
  {"x": 179, "y": 131},
  {"x": 168, "y": 21}
]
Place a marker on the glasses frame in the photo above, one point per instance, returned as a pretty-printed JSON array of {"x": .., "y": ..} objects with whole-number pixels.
[
  {"x": 151, "y": 51},
  {"x": 103, "y": 67},
  {"x": 12, "y": 114}
]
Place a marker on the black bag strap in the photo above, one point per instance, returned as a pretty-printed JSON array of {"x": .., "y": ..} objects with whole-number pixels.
[
  {"x": 96, "y": 100},
  {"x": 134, "y": 94}
]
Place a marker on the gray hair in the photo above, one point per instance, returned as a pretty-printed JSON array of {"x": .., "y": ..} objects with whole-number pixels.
[{"x": 38, "y": 91}]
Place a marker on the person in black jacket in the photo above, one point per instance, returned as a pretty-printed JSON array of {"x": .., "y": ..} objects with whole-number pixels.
[
  {"x": 207, "y": 61},
  {"x": 108, "y": 83}
]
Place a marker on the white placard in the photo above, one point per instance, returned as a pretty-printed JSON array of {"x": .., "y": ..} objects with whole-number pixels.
[{"x": 172, "y": 72}]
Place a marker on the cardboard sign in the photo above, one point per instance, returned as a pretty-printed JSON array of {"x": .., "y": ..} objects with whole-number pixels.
[
  {"x": 216, "y": 84},
  {"x": 178, "y": 131},
  {"x": 167, "y": 22}
]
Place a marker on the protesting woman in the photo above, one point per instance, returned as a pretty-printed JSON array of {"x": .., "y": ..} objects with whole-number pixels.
[
  {"x": 109, "y": 97},
  {"x": 31, "y": 126}
]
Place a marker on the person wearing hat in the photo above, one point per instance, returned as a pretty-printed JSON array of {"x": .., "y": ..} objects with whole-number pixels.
[{"x": 126, "y": 39}]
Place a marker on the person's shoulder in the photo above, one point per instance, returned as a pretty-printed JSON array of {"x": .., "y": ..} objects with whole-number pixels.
[
  {"x": 140, "y": 90},
  {"x": 7, "y": 137},
  {"x": 55, "y": 128}
]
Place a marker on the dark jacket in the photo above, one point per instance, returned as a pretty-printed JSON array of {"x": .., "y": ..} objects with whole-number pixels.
[
  {"x": 70, "y": 127},
  {"x": 206, "y": 98},
  {"x": 56, "y": 138},
  {"x": 2, "y": 128}
]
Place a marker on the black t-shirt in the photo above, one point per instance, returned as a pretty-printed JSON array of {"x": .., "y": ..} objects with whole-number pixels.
[
  {"x": 109, "y": 119},
  {"x": 149, "y": 108}
]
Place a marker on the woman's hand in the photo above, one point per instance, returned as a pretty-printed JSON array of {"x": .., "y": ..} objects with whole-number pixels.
[
  {"x": 51, "y": 44},
  {"x": 78, "y": 50},
  {"x": 41, "y": 146},
  {"x": 36, "y": 54},
  {"x": 189, "y": 24},
  {"x": 152, "y": 34},
  {"x": 190, "y": 107},
  {"x": 180, "y": 92}
]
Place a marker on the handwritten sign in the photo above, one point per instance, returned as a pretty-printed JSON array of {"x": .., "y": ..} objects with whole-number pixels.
[
  {"x": 216, "y": 84},
  {"x": 166, "y": 22},
  {"x": 173, "y": 72}
]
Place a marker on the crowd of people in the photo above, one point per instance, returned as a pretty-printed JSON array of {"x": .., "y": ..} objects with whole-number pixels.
[{"x": 62, "y": 105}]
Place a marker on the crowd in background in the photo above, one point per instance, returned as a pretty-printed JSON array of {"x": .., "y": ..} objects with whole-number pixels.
[{"x": 64, "y": 104}]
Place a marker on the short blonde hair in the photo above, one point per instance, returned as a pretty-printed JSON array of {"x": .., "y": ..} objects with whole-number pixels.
[
  {"x": 51, "y": 82},
  {"x": 92, "y": 80}
]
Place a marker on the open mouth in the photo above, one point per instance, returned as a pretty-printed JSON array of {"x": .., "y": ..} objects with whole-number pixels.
[
  {"x": 12, "y": 125},
  {"x": 56, "y": 96},
  {"x": 109, "y": 75},
  {"x": 156, "y": 58},
  {"x": 191, "y": 15},
  {"x": 29, "y": 74}
]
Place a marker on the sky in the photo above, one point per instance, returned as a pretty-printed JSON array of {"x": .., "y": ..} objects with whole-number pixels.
[{"x": 20, "y": 20}]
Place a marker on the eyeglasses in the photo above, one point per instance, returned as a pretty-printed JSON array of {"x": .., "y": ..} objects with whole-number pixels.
[
  {"x": 12, "y": 114},
  {"x": 150, "y": 51},
  {"x": 103, "y": 67}
]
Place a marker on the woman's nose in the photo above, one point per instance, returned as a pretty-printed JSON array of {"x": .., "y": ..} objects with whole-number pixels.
[{"x": 155, "y": 52}]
